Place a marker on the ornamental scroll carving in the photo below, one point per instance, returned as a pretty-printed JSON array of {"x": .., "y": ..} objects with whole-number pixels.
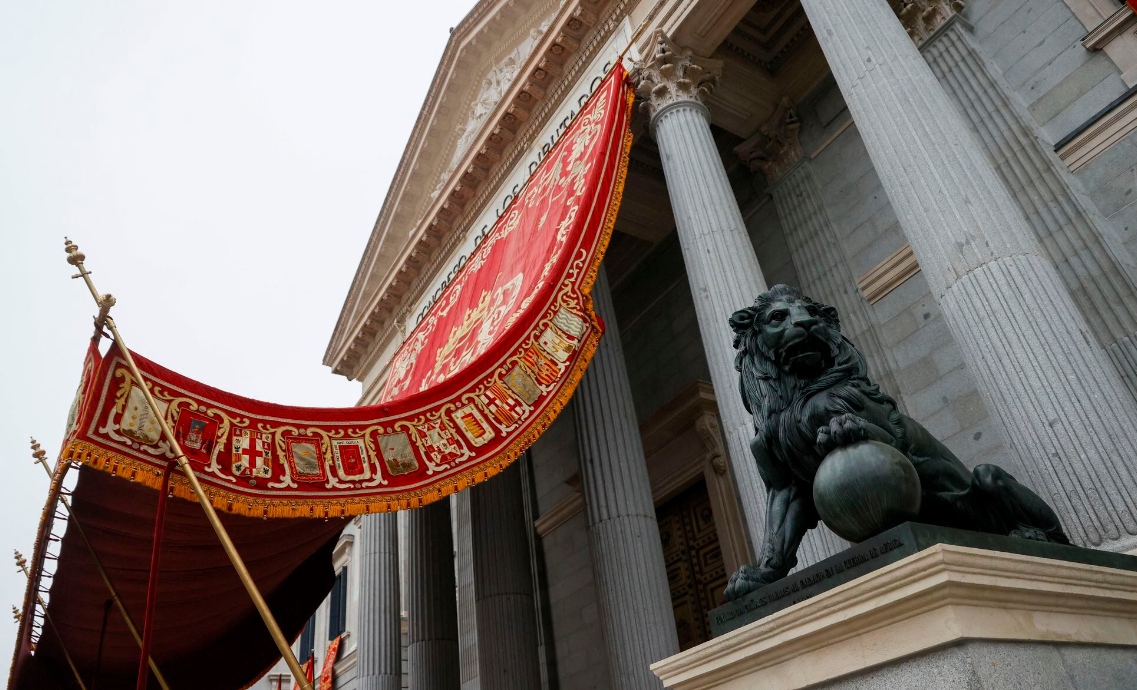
[{"x": 671, "y": 74}]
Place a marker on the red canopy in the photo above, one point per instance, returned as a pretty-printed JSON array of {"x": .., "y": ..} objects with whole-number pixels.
[
  {"x": 490, "y": 366},
  {"x": 207, "y": 633}
]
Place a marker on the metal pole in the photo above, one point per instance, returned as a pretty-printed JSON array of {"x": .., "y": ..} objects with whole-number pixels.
[
  {"x": 23, "y": 564},
  {"x": 41, "y": 458},
  {"x": 75, "y": 258},
  {"x": 152, "y": 587}
]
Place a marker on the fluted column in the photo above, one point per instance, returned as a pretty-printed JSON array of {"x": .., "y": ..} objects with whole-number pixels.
[
  {"x": 432, "y": 622},
  {"x": 1056, "y": 396},
  {"x": 503, "y": 586},
  {"x": 378, "y": 646},
  {"x": 627, "y": 558},
  {"x": 1097, "y": 270},
  {"x": 721, "y": 264}
]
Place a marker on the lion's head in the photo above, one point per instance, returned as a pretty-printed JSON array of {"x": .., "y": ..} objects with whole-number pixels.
[{"x": 788, "y": 346}]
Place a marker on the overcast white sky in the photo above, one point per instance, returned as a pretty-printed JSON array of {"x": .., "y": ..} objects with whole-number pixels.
[{"x": 221, "y": 164}]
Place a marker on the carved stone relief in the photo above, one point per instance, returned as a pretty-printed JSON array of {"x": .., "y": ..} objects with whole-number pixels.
[{"x": 493, "y": 88}]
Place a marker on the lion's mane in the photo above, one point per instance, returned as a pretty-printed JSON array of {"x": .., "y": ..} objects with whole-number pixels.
[{"x": 776, "y": 397}]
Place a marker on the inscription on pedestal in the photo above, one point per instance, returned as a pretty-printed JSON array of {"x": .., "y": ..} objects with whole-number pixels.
[
  {"x": 850, "y": 564},
  {"x": 885, "y": 548}
]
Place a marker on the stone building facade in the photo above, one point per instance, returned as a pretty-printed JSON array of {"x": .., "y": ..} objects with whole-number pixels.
[{"x": 956, "y": 178}]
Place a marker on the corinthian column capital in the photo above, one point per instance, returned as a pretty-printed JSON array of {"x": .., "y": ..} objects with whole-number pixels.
[
  {"x": 775, "y": 147},
  {"x": 671, "y": 75}
]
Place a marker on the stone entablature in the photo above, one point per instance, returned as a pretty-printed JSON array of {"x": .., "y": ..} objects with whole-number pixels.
[{"x": 407, "y": 238}]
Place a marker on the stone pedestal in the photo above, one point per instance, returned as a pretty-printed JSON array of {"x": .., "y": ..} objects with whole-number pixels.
[{"x": 946, "y": 617}]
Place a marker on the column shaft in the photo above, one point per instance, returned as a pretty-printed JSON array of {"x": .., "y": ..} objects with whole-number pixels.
[
  {"x": 1055, "y": 394},
  {"x": 464, "y": 575},
  {"x": 503, "y": 586},
  {"x": 724, "y": 275},
  {"x": 379, "y": 646},
  {"x": 1096, "y": 269},
  {"x": 432, "y": 621},
  {"x": 627, "y": 558}
]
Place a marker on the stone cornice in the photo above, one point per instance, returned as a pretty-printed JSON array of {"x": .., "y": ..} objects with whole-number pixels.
[
  {"x": 364, "y": 332},
  {"x": 393, "y": 261}
]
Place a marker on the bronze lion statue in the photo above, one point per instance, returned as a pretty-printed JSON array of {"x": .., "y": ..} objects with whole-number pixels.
[{"x": 809, "y": 391}]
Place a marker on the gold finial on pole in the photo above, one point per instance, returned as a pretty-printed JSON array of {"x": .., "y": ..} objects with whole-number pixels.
[
  {"x": 40, "y": 456},
  {"x": 22, "y": 563},
  {"x": 76, "y": 258}
]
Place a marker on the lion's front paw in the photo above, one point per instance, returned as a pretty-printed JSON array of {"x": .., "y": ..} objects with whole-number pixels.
[
  {"x": 747, "y": 579},
  {"x": 1031, "y": 533},
  {"x": 843, "y": 430}
]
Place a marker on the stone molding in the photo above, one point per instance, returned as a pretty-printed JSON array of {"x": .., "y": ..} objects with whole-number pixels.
[
  {"x": 939, "y": 596},
  {"x": 1111, "y": 27},
  {"x": 669, "y": 74},
  {"x": 1100, "y": 17},
  {"x": 1110, "y": 127},
  {"x": 888, "y": 274},
  {"x": 379, "y": 343}
]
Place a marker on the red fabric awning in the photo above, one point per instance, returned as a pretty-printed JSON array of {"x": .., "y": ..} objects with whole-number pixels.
[
  {"x": 490, "y": 366},
  {"x": 207, "y": 633},
  {"x": 487, "y": 370}
]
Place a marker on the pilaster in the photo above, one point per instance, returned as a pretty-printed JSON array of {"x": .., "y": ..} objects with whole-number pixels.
[{"x": 815, "y": 249}]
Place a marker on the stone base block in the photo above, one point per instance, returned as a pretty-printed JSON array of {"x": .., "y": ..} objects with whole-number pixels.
[{"x": 946, "y": 617}]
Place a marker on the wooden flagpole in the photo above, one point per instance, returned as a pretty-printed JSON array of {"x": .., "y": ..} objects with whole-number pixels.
[
  {"x": 152, "y": 586},
  {"x": 75, "y": 258},
  {"x": 23, "y": 565},
  {"x": 40, "y": 456}
]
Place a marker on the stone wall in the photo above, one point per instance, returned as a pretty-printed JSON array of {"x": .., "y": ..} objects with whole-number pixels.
[
  {"x": 991, "y": 665},
  {"x": 1036, "y": 46},
  {"x": 573, "y": 612}
]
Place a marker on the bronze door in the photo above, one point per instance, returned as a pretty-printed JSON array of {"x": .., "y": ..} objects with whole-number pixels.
[{"x": 696, "y": 572}]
